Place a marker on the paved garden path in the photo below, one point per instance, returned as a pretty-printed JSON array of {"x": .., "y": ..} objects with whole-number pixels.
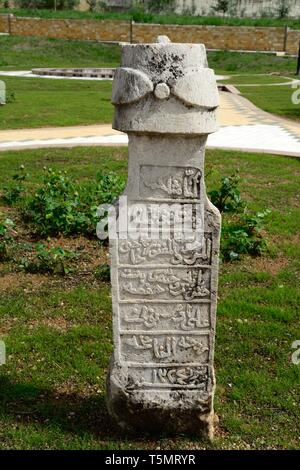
[{"x": 242, "y": 127}]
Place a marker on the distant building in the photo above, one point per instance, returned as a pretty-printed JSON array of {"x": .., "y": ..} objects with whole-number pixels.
[
  {"x": 250, "y": 8},
  {"x": 242, "y": 8}
]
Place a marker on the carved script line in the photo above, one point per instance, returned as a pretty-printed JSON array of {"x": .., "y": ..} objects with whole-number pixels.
[
  {"x": 162, "y": 266},
  {"x": 163, "y": 301},
  {"x": 168, "y": 385},
  {"x": 185, "y": 182},
  {"x": 166, "y": 364},
  {"x": 164, "y": 332}
]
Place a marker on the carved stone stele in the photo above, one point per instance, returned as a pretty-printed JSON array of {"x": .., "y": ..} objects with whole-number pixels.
[{"x": 164, "y": 284}]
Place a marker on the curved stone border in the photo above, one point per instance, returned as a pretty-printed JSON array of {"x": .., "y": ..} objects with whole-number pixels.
[
  {"x": 104, "y": 73},
  {"x": 289, "y": 80}
]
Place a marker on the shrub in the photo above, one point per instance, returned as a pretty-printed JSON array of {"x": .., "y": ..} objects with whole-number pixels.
[
  {"x": 48, "y": 260},
  {"x": 243, "y": 235},
  {"x": 13, "y": 193},
  {"x": 242, "y": 231},
  {"x": 53, "y": 207},
  {"x": 108, "y": 186},
  {"x": 61, "y": 206},
  {"x": 102, "y": 272},
  {"x": 227, "y": 198},
  {"x": 6, "y": 238}
]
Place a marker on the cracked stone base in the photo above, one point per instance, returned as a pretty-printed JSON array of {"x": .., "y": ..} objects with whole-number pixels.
[{"x": 167, "y": 411}]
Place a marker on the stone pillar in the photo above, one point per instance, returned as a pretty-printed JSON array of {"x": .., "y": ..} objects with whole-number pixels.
[{"x": 165, "y": 270}]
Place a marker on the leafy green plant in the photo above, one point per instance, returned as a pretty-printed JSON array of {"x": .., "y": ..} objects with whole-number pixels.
[
  {"x": 48, "y": 260},
  {"x": 52, "y": 209},
  {"x": 61, "y": 206},
  {"x": 243, "y": 235},
  {"x": 6, "y": 238},
  {"x": 108, "y": 187},
  {"x": 227, "y": 198},
  {"x": 13, "y": 193},
  {"x": 242, "y": 231},
  {"x": 102, "y": 272}
]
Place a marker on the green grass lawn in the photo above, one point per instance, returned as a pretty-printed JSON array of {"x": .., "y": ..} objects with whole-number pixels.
[
  {"x": 58, "y": 329},
  {"x": 45, "y": 102},
  {"x": 25, "y": 53},
  {"x": 142, "y": 17},
  {"x": 276, "y": 100},
  {"x": 250, "y": 63},
  {"x": 273, "y": 99}
]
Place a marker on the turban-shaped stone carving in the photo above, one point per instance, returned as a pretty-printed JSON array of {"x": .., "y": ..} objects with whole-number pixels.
[
  {"x": 195, "y": 88},
  {"x": 165, "y": 88}
]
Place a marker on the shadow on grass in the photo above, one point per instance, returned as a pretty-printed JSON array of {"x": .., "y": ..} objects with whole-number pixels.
[
  {"x": 74, "y": 414},
  {"x": 70, "y": 412}
]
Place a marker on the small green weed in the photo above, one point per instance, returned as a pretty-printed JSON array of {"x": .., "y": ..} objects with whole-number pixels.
[
  {"x": 243, "y": 235},
  {"x": 102, "y": 272},
  {"x": 227, "y": 198},
  {"x": 6, "y": 238},
  {"x": 242, "y": 232},
  {"x": 60, "y": 206},
  {"x": 12, "y": 194},
  {"x": 48, "y": 260}
]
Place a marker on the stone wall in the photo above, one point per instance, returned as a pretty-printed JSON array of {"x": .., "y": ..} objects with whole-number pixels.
[
  {"x": 292, "y": 43},
  {"x": 70, "y": 29},
  {"x": 214, "y": 37},
  {"x": 3, "y": 24}
]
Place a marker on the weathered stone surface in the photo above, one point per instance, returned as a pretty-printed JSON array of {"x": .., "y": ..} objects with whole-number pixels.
[
  {"x": 198, "y": 89},
  {"x": 129, "y": 86},
  {"x": 164, "y": 283},
  {"x": 178, "y": 72}
]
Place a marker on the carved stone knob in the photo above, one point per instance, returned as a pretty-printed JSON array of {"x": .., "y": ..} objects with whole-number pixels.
[
  {"x": 162, "y": 39},
  {"x": 162, "y": 91}
]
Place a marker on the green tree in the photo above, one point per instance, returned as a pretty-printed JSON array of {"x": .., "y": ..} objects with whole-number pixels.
[
  {"x": 48, "y": 4},
  {"x": 159, "y": 6},
  {"x": 222, "y": 5},
  {"x": 283, "y": 8}
]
